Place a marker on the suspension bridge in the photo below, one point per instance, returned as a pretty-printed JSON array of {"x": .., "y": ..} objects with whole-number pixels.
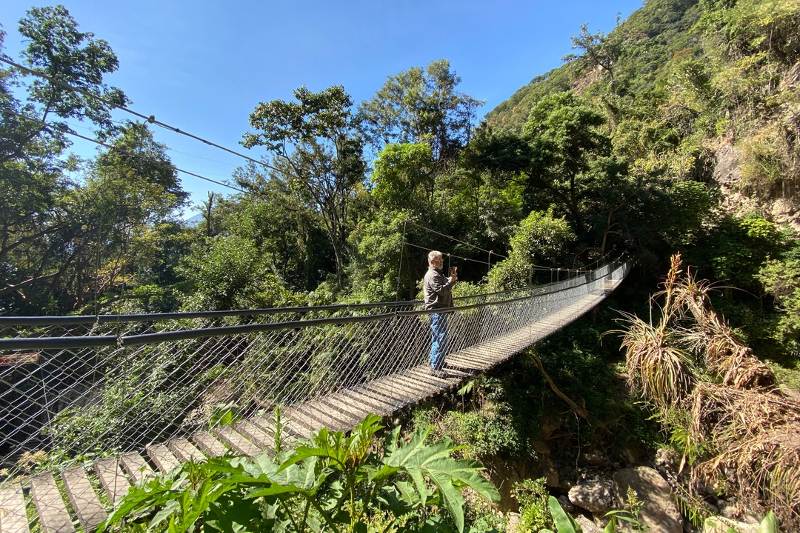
[{"x": 92, "y": 404}]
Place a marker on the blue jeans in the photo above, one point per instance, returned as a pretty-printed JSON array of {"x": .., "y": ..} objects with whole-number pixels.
[{"x": 438, "y": 340}]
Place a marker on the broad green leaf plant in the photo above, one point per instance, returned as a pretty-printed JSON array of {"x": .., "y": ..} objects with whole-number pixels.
[
  {"x": 564, "y": 523},
  {"x": 334, "y": 482}
]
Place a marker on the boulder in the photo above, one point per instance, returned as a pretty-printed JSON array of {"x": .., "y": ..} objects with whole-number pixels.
[
  {"x": 659, "y": 512},
  {"x": 786, "y": 211},
  {"x": 667, "y": 460},
  {"x": 720, "y": 524},
  {"x": 587, "y": 526},
  {"x": 596, "y": 497},
  {"x": 735, "y": 512},
  {"x": 727, "y": 168}
]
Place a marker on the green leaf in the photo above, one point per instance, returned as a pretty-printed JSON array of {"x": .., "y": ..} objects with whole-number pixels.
[
  {"x": 306, "y": 452},
  {"x": 769, "y": 524},
  {"x": 434, "y": 462},
  {"x": 467, "y": 473},
  {"x": 381, "y": 473},
  {"x": 403, "y": 454},
  {"x": 391, "y": 441},
  {"x": 274, "y": 490},
  {"x": 452, "y": 498},
  {"x": 171, "y": 508},
  {"x": 564, "y": 522},
  {"x": 466, "y": 388},
  {"x": 419, "y": 483}
]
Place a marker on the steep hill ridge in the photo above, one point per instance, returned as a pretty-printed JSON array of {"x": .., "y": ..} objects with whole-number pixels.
[{"x": 704, "y": 90}]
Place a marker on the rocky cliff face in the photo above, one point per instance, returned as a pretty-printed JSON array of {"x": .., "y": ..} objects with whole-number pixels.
[{"x": 783, "y": 207}]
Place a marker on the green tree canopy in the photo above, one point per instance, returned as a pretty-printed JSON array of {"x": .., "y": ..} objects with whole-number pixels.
[
  {"x": 317, "y": 148},
  {"x": 403, "y": 176},
  {"x": 74, "y": 64},
  {"x": 421, "y": 105},
  {"x": 541, "y": 239},
  {"x": 42, "y": 227},
  {"x": 230, "y": 273},
  {"x": 277, "y": 218},
  {"x": 568, "y": 152}
]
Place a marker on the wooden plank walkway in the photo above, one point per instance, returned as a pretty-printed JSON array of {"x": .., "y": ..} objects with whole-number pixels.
[{"x": 340, "y": 411}]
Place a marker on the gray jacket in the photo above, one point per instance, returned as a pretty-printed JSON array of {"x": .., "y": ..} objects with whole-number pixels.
[{"x": 438, "y": 290}]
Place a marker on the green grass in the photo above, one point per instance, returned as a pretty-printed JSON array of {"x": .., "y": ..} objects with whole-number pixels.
[{"x": 789, "y": 375}]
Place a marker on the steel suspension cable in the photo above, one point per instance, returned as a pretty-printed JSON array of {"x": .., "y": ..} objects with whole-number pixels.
[
  {"x": 122, "y": 107},
  {"x": 448, "y": 254},
  {"x": 69, "y": 131},
  {"x": 455, "y": 239}
]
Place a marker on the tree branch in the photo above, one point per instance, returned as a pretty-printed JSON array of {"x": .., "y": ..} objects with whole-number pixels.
[{"x": 577, "y": 409}]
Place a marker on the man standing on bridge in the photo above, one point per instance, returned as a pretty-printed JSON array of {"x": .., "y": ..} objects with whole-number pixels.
[{"x": 438, "y": 295}]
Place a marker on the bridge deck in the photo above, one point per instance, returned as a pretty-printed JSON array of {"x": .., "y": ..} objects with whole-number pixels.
[{"x": 61, "y": 510}]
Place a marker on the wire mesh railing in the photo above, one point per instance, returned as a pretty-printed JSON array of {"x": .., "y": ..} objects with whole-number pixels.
[{"x": 73, "y": 388}]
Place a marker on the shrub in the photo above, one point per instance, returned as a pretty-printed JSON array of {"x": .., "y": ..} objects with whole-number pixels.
[
  {"x": 781, "y": 279},
  {"x": 230, "y": 272},
  {"x": 741, "y": 245},
  {"x": 531, "y": 494},
  {"x": 763, "y": 165},
  {"x": 487, "y": 522},
  {"x": 487, "y": 432},
  {"x": 333, "y": 482},
  {"x": 540, "y": 238}
]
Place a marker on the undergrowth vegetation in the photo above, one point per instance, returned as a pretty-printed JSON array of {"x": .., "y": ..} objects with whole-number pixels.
[
  {"x": 334, "y": 482},
  {"x": 737, "y": 432}
]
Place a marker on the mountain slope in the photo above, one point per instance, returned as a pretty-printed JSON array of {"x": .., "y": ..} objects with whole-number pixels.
[
  {"x": 706, "y": 90},
  {"x": 652, "y": 35}
]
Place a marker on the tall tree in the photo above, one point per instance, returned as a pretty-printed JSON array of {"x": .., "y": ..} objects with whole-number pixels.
[
  {"x": 421, "y": 106},
  {"x": 570, "y": 156},
  {"x": 599, "y": 49},
  {"x": 74, "y": 64},
  {"x": 36, "y": 207},
  {"x": 403, "y": 177},
  {"x": 132, "y": 186},
  {"x": 288, "y": 232},
  {"x": 316, "y": 147},
  {"x": 208, "y": 214}
]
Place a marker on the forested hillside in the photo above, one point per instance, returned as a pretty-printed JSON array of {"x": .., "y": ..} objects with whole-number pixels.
[
  {"x": 700, "y": 90},
  {"x": 699, "y": 103},
  {"x": 678, "y": 132}
]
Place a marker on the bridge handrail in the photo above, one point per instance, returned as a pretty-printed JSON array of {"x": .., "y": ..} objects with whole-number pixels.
[
  {"x": 47, "y": 320},
  {"x": 85, "y": 341}
]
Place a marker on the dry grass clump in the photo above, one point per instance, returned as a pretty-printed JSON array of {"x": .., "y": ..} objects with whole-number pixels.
[
  {"x": 745, "y": 433},
  {"x": 755, "y": 438},
  {"x": 726, "y": 356},
  {"x": 656, "y": 368},
  {"x": 688, "y": 325},
  {"x": 710, "y": 337}
]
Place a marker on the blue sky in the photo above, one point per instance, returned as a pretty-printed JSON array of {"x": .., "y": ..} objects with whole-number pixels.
[{"x": 204, "y": 65}]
